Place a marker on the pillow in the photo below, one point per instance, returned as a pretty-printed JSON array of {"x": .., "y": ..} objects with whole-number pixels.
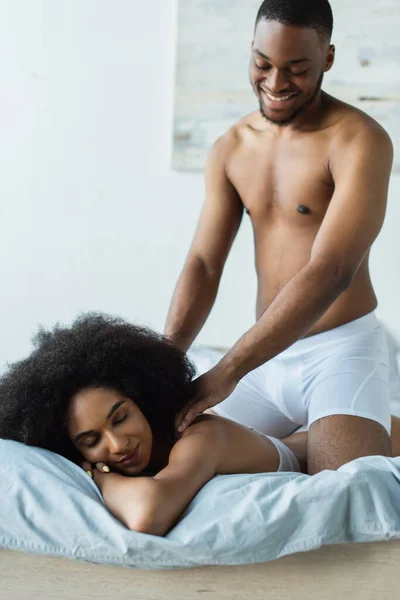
[
  {"x": 394, "y": 367},
  {"x": 50, "y": 506}
]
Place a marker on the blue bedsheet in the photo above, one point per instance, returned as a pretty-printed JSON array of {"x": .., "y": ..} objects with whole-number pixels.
[{"x": 49, "y": 506}]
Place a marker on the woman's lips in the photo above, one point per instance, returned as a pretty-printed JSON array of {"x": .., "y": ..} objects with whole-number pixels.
[{"x": 130, "y": 458}]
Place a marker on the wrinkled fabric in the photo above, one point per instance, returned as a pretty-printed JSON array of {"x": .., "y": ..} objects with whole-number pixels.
[{"x": 50, "y": 506}]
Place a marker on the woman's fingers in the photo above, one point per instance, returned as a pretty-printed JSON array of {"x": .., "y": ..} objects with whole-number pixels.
[
  {"x": 87, "y": 467},
  {"x": 102, "y": 467}
]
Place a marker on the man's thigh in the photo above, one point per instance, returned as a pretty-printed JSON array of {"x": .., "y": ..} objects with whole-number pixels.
[
  {"x": 336, "y": 440},
  {"x": 253, "y": 404},
  {"x": 349, "y": 402}
]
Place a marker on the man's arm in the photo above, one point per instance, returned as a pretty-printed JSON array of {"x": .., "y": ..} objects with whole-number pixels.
[
  {"x": 361, "y": 172},
  {"x": 219, "y": 222}
]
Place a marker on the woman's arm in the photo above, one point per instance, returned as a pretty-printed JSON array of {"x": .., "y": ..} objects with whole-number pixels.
[
  {"x": 212, "y": 445},
  {"x": 153, "y": 505}
]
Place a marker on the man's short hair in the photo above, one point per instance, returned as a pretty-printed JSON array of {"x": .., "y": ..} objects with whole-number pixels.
[{"x": 314, "y": 14}]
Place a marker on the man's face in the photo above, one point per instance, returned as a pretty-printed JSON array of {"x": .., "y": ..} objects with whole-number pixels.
[{"x": 287, "y": 68}]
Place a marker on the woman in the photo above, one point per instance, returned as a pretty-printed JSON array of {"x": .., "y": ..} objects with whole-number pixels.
[{"x": 106, "y": 394}]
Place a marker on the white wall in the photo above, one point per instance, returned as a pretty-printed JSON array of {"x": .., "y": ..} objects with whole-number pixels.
[{"x": 91, "y": 215}]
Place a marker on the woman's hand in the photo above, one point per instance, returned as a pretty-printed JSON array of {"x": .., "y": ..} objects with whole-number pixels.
[
  {"x": 99, "y": 467},
  {"x": 102, "y": 477},
  {"x": 133, "y": 501}
]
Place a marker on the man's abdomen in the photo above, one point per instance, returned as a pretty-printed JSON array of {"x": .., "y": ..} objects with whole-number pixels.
[{"x": 282, "y": 255}]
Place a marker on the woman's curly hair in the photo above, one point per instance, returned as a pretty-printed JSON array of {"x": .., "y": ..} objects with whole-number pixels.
[{"x": 96, "y": 351}]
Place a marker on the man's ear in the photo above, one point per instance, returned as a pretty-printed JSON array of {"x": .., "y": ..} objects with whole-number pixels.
[{"x": 330, "y": 58}]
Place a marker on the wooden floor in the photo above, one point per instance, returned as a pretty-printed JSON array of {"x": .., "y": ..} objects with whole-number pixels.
[{"x": 354, "y": 572}]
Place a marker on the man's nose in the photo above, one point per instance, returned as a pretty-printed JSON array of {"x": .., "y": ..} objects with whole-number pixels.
[{"x": 277, "y": 82}]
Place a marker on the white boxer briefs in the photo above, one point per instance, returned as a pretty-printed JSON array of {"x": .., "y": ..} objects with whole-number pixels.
[
  {"x": 343, "y": 371},
  {"x": 287, "y": 459}
]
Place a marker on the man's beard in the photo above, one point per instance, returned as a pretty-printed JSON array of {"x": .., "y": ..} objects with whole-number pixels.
[{"x": 299, "y": 110}]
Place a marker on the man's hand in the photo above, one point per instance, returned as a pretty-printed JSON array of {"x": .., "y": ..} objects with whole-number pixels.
[{"x": 208, "y": 390}]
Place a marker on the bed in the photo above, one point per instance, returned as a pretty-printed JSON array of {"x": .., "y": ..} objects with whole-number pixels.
[{"x": 366, "y": 493}]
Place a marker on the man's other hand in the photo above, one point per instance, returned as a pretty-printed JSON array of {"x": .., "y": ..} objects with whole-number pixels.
[{"x": 207, "y": 391}]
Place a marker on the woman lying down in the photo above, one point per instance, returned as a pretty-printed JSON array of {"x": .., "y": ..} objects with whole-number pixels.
[{"x": 106, "y": 394}]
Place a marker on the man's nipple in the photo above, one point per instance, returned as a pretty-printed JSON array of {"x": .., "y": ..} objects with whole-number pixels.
[{"x": 303, "y": 210}]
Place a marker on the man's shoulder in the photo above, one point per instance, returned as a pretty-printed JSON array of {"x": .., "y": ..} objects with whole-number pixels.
[
  {"x": 357, "y": 138},
  {"x": 236, "y": 134},
  {"x": 351, "y": 124}
]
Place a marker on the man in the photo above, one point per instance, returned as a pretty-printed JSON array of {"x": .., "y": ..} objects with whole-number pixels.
[{"x": 312, "y": 172}]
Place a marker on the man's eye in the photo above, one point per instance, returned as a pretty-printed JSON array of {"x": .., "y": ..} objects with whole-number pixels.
[
  {"x": 120, "y": 420},
  {"x": 263, "y": 67},
  {"x": 299, "y": 72}
]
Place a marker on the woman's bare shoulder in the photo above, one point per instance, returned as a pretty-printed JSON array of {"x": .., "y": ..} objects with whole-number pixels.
[
  {"x": 205, "y": 424},
  {"x": 240, "y": 449}
]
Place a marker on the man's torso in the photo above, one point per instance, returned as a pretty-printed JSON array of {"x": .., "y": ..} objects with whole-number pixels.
[{"x": 284, "y": 181}]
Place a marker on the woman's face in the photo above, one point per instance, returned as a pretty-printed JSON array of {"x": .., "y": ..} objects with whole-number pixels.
[{"x": 108, "y": 427}]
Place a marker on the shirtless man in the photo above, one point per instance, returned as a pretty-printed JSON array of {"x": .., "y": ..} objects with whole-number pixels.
[{"x": 312, "y": 173}]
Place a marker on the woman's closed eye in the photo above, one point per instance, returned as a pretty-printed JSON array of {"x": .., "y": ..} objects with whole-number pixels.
[
  {"x": 116, "y": 422},
  {"x": 92, "y": 445},
  {"x": 121, "y": 420}
]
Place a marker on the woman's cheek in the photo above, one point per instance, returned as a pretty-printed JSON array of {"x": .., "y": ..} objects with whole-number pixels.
[{"x": 89, "y": 456}]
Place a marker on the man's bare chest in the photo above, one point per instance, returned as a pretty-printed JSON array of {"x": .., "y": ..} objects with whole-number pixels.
[{"x": 288, "y": 182}]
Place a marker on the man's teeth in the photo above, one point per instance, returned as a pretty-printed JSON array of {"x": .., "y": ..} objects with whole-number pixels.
[{"x": 280, "y": 99}]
